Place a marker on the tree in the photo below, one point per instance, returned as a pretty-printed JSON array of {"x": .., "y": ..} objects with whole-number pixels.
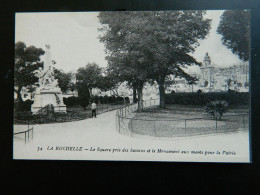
[
  {"x": 84, "y": 102},
  {"x": 125, "y": 56},
  {"x": 150, "y": 46},
  {"x": 108, "y": 82},
  {"x": 64, "y": 79},
  {"x": 234, "y": 27},
  {"x": 83, "y": 93},
  {"x": 31, "y": 89},
  {"x": 192, "y": 81},
  {"x": 27, "y": 60},
  {"x": 88, "y": 77},
  {"x": 175, "y": 36},
  {"x": 130, "y": 67}
]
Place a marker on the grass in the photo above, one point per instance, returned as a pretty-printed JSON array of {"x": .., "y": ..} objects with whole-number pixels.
[
  {"x": 73, "y": 114},
  {"x": 186, "y": 120}
]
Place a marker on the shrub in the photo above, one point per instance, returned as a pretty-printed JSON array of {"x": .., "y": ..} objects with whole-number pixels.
[
  {"x": 199, "y": 91},
  {"x": 25, "y": 106},
  {"x": 83, "y": 102},
  {"x": 101, "y": 99},
  {"x": 119, "y": 99},
  {"x": 95, "y": 99},
  {"x": 233, "y": 98},
  {"x": 113, "y": 99},
  {"x": 105, "y": 99},
  {"x": 172, "y": 92},
  {"x": 65, "y": 101},
  {"x": 216, "y": 108},
  {"x": 110, "y": 99},
  {"x": 231, "y": 91},
  {"x": 71, "y": 101},
  {"x": 47, "y": 111}
]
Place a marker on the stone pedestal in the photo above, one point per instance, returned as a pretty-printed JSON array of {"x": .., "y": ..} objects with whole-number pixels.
[{"x": 45, "y": 96}]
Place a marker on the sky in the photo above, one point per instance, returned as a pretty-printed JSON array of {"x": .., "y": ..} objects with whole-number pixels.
[{"x": 73, "y": 38}]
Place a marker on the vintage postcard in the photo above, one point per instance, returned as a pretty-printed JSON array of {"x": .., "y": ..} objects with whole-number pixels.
[{"x": 132, "y": 86}]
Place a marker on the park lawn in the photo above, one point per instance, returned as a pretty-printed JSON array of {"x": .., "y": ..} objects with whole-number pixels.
[
  {"x": 74, "y": 113},
  {"x": 175, "y": 111},
  {"x": 186, "y": 120}
]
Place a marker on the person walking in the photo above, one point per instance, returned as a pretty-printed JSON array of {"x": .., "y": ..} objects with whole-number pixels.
[{"x": 93, "y": 108}]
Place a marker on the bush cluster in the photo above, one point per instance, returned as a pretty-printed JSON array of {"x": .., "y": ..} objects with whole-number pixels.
[
  {"x": 216, "y": 109},
  {"x": 199, "y": 98},
  {"x": 71, "y": 101},
  {"x": 23, "y": 106},
  {"x": 84, "y": 101},
  {"x": 47, "y": 110}
]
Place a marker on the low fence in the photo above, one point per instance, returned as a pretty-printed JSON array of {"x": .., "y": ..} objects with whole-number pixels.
[
  {"x": 71, "y": 115},
  {"x": 23, "y": 131},
  {"x": 125, "y": 114},
  {"x": 130, "y": 122},
  {"x": 101, "y": 108},
  {"x": 190, "y": 126}
]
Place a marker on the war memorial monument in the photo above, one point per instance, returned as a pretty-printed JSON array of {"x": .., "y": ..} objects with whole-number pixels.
[{"x": 48, "y": 92}]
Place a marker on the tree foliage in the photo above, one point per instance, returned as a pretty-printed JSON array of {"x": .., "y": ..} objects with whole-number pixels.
[
  {"x": 150, "y": 46},
  {"x": 27, "y": 60},
  {"x": 124, "y": 46},
  {"x": 108, "y": 81},
  {"x": 88, "y": 77},
  {"x": 234, "y": 27},
  {"x": 64, "y": 80}
]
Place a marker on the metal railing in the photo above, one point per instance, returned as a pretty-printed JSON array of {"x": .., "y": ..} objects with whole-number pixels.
[
  {"x": 131, "y": 122},
  {"x": 125, "y": 115},
  {"x": 67, "y": 117},
  {"x": 28, "y": 133},
  {"x": 102, "y": 108}
]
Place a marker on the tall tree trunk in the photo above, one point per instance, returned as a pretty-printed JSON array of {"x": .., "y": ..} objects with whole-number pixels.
[
  {"x": 140, "y": 98},
  {"x": 134, "y": 94},
  {"x": 162, "y": 93},
  {"x": 20, "y": 99},
  {"x": 90, "y": 92}
]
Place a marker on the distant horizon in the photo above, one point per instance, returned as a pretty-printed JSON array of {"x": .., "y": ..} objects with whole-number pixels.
[{"x": 73, "y": 38}]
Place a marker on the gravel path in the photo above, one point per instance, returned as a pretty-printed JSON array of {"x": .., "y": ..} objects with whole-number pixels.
[{"x": 101, "y": 133}]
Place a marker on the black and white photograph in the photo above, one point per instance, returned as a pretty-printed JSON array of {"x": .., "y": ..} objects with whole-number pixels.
[{"x": 132, "y": 86}]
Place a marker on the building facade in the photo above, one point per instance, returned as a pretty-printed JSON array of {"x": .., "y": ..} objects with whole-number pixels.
[{"x": 216, "y": 79}]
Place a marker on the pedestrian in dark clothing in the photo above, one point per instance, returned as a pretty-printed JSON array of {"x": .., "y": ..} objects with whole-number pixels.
[{"x": 93, "y": 108}]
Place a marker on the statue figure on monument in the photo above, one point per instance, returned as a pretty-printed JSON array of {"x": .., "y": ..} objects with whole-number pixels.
[
  {"x": 39, "y": 73},
  {"x": 55, "y": 83},
  {"x": 48, "y": 91},
  {"x": 48, "y": 77},
  {"x": 207, "y": 60}
]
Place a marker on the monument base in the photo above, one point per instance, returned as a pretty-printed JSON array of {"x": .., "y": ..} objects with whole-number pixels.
[{"x": 45, "y": 96}]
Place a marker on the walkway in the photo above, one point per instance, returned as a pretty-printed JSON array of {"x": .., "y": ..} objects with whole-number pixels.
[{"x": 101, "y": 132}]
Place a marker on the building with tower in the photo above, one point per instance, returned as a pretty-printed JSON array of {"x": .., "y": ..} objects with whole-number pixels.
[
  {"x": 207, "y": 74},
  {"x": 213, "y": 78}
]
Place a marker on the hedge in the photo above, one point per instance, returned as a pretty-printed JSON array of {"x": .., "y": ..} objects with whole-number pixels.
[
  {"x": 73, "y": 101},
  {"x": 23, "y": 106},
  {"x": 233, "y": 98}
]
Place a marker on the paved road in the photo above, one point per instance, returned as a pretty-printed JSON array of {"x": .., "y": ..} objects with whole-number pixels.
[{"x": 101, "y": 132}]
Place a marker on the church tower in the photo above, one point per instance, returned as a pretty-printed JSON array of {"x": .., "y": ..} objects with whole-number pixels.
[{"x": 207, "y": 73}]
